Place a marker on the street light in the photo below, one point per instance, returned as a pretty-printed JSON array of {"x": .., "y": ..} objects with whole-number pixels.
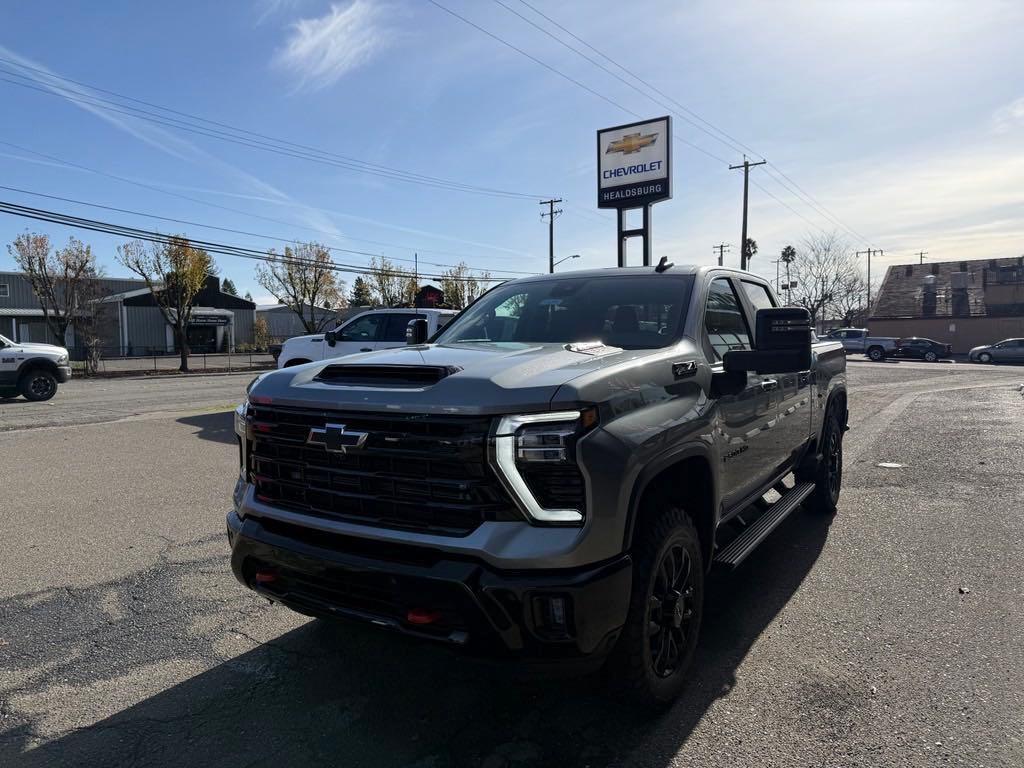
[{"x": 574, "y": 256}]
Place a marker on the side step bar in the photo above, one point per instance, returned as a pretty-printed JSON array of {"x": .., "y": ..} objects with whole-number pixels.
[{"x": 747, "y": 542}]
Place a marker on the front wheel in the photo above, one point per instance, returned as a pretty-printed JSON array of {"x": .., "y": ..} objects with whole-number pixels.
[
  {"x": 876, "y": 354},
  {"x": 654, "y": 652},
  {"x": 984, "y": 357},
  {"x": 38, "y": 385}
]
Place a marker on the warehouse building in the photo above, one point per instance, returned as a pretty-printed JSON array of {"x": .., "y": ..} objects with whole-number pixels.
[
  {"x": 283, "y": 323},
  {"x": 130, "y": 320},
  {"x": 963, "y": 303},
  {"x": 220, "y": 322}
]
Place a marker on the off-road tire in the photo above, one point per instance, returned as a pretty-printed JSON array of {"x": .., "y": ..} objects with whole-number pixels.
[
  {"x": 876, "y": 354},
  {"x": 631, "y": 669},
  {"x": 38, "y": 384},
  {"x": 828, "y": 475}
]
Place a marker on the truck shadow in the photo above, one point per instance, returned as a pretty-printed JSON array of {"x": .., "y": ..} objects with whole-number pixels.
[
  {"x": 218, "y": 427},
  {"x": 327, "y": 694}
]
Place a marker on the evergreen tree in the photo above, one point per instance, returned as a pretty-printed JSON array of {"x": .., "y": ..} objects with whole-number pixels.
[
  {"x": 226, "y": 286},
  {"x": 361, "y": 295}
]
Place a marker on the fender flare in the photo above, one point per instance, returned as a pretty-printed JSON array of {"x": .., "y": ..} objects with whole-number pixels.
[
  {"x": 37, "y": 362},
  {"x": 653, "y": 469}
]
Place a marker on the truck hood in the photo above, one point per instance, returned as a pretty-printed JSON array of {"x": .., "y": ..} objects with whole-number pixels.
[
  {"x": 50, "y": 350},
  {"x": 480, "y": 378}
]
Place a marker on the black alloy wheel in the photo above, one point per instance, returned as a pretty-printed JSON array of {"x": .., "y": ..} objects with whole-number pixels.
[
  {"x": 669, "y": 611},
  {"x": 39, "y": 385}
]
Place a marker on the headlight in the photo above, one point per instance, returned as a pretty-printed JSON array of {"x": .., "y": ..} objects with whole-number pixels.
[
  {"x": 241, "y": 412},
  {"x": 536, "y": 456},
  {"x": 62, "y": 360}
]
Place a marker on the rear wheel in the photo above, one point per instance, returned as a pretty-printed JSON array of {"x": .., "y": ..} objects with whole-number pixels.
[
  {"x": 38, "y": 384},
  {"x": 876, "y": 354},
  {"x": 930, "y": 356},
  {"x": 828, "y": 475},
  {"x": 654, "y": 652}
]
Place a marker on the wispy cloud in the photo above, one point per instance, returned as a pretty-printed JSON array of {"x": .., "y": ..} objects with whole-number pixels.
[
  {"x": 320, "y": 51},
  {"x": 268, "y": 8},
  {"x": 1009, "y": 116}
]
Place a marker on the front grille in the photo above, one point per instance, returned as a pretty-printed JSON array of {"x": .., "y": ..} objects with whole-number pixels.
[{"x": 418, "y": 472}]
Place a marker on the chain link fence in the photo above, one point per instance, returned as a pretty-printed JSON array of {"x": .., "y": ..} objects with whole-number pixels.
[{"x": 113, "y": 362}]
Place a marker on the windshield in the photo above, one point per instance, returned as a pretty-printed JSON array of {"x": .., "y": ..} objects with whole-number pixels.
[
  {"x": 638, "y": 312},
  {"x": 4, "y": 341}
]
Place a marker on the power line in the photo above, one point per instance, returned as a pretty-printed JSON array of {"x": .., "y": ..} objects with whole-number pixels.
[
  {"x": 239, "y": 136},
  {"x": 95, "y": 225},
  {"x": 782, "y": 179},
  {"x": 238, "y": 231},
  {"x": 239, "y": 211},
  {"x": 564, "y": 76}
]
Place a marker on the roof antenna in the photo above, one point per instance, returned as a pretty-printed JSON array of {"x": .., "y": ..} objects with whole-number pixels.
[{"x": 664, "y": 265}]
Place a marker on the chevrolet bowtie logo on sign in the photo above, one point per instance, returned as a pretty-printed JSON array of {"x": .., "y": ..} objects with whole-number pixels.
[
  {"x": 633, "y": 164},
  {"x": 336, "y": 439},
  {"x": 631, "y": 142}
]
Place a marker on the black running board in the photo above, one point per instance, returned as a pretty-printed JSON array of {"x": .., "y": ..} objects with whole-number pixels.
[{"x": 747, "y": 542}]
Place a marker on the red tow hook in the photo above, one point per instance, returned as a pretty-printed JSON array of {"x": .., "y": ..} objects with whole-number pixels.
[{"x": 422, "y": 616}]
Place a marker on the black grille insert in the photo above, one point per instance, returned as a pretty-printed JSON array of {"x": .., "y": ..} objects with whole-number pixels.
[{"x": 412, "y": 471}]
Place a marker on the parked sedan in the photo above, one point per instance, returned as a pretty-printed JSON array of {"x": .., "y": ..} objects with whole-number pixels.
[
  {"x": 922, "y": 349},
  {"x": 1005, "y": 351}
]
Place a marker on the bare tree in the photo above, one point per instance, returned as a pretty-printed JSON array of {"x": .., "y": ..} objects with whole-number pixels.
[
  {"x": 827, "y": 275},
  {"x": 63, "y": 280},
  {"x": 461, "y": 287},
  {"x": 305, "y": 280},
  {"x": 174, "y": 271},
  {"x": 387, "y": 282}
]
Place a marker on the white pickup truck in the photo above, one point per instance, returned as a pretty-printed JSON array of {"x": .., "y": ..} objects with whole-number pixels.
[
  {"x": 858, "y": 340},
  {"x": 32, "y": 370},
  {"x": 366, "y": 332}
]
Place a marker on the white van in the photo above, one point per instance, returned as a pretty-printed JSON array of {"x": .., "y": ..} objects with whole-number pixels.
[{"x": 366, "y": 332}]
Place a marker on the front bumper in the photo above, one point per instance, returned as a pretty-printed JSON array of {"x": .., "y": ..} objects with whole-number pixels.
[
  {"x": 430, "y": 594},
  {"x": 63, "y": 373}
]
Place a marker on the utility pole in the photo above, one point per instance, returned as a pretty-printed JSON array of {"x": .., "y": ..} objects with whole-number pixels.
[
  {"x": 922, "y": 254},
  {"x": 746, "y": 166},
  {"x": 721, "y": 251},
  {"x": 869, "y": 252},
  {"x": 551, "y": 215}
]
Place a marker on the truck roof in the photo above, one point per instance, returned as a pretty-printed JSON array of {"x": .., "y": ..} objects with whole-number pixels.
[{"x": 677, "y": 269}]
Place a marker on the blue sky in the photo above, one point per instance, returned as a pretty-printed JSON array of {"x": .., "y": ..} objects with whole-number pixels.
[{"x": 905, "y": 120}]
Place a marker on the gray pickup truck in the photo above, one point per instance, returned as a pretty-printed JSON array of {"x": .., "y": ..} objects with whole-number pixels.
[
  {"x": 858, "y": 340},
  {"x": 552, "y": 475}
]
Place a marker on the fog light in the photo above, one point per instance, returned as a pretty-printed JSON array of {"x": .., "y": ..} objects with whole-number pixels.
[{"x": 552, "y": 616}]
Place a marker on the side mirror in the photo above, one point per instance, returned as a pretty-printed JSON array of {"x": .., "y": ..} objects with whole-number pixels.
[
  {"x": 416, "y": 331},
  {"x": 331, "y": 337},
  {"x": 783, "y": 343}
]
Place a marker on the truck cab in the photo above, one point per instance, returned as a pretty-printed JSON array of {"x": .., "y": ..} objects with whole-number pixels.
[{"x": 366, "y": 332}]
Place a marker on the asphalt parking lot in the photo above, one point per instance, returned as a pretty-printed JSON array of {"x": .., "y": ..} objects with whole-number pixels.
[{"x": 890, "y": 635}]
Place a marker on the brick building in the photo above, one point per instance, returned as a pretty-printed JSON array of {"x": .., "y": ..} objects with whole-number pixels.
[{"x": 964, "y": 303}]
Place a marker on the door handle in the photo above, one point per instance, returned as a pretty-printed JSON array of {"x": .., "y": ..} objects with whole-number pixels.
[
  {"x": 366, "y": 349},
  {"x": 769, "y": 384}
]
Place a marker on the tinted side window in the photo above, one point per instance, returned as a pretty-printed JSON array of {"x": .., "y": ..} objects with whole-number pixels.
[
  {"x": 397, "y": 323},
  {"x": 758, "y": 295},
  {"x": 855, "y": 334},
  {"x": 363, "y": 328},
  {"x": 724, "y": 323}
]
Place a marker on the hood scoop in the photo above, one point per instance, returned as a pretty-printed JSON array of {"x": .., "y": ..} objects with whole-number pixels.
[{"x": 413, "y": 376}]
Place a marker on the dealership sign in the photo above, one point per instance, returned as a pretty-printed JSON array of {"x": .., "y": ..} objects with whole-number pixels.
[{"x": 634, "y": 164}]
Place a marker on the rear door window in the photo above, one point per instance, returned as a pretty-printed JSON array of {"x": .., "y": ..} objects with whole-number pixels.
[
  {"x": 724, "y": 323},
  {"x": 397, "y": 324},
  {"x": 758, "y": 295}
]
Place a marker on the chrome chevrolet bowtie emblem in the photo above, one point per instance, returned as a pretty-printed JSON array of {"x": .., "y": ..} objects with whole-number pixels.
[{"x": 336, "y": 439}]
